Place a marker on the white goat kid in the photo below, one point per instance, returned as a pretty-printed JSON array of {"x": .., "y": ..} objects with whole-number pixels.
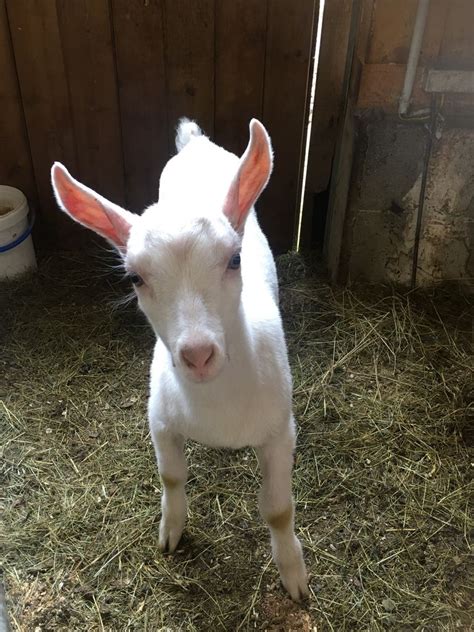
[{"x": 205, "y": 277}]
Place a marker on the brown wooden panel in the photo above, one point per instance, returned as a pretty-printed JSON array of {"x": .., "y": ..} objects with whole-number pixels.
[
  {"x": 328, "y": 97},
  {"x": 89, "y": 58},
  {"x": 240, "y": 65},
  {"x": 392, "y": 26},
  {"x": 342, "y": 172},
  {"x": 189, "y": 53},
  {"x": 457, "y": 49},
  {"x": 138, "y": 30},
  {"x": 392, "y": 29},
  {"x": 327, "y": 110},
  {"x": 41, "y": 73},
  {"x": 434, "y": 29},
  {"x": 16, "y": 169},
  {"x": 382, "y": 84},
  {"x": 286, "y": 88}
]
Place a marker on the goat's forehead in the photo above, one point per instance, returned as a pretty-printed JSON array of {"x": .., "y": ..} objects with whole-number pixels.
[{"x": 181, "y": 241}]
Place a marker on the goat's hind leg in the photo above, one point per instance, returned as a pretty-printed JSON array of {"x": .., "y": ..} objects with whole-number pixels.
[
  {"x": 169, "y": 449},
  {"x": 276, "y": 508}
]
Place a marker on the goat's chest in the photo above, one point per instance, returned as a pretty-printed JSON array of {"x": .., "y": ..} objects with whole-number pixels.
[
  {"x": 237, "y": 422},
  {"x": 231, "y": 413}
]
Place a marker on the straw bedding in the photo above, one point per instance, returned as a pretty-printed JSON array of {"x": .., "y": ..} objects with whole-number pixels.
[{"x": 384, "y": 401}]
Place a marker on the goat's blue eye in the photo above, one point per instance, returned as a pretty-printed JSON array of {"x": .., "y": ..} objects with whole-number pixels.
[
  {"x": 234, "y": 263},
  {"x": 136, "y": 279}
]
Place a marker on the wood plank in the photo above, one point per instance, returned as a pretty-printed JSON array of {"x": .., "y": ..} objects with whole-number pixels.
[
  {"x": 138, "y": 30},
  {"x": 286, "y": 92},
  {"x": 433, "y": 35},
  {"x": 361, "y": 17},
  {"x": 392, "y": 26},
  {"x": 460, "y": 81},
  {"x": 326, "y": 115},
  {"x": 16, "y": 168},
  {"x": 367, "y": 8},
  {"x": 328, "y": 97},
  {"x": 189, "y": 53},
  {"x": 381, "y": 86},
  {"x": 34, "y": 27},
  {"x": 457, "y": 48},
  {"x": 339, "y": 195},
  {"x": 392, "y": 29},
  {"x": 86, "y": 35},
  {"x": 240, "y": 66}
]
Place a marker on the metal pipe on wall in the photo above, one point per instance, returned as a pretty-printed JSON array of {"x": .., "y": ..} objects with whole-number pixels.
[{"x": 414, "y": 54}]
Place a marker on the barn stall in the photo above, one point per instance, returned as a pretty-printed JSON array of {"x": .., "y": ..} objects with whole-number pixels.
[{"x": 377, "y": 200}]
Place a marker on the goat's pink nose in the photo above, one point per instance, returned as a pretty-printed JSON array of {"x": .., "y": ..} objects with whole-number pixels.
[{"x": 197, "y": 357}]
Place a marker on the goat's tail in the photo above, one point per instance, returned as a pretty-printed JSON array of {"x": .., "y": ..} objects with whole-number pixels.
[{"x": 185, "y": 131}]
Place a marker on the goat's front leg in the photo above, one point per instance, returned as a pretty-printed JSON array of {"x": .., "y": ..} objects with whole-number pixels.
[
  {"x": 169, "y": 449},
  {"x": 276, "y": 508}
]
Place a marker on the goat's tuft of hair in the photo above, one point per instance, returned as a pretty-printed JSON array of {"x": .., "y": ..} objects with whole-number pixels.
[{"x": 185, "y": 131}]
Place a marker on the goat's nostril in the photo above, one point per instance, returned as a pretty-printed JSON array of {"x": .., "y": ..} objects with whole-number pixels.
[
  {"x": 186, "y": 360},
  {"x": 198, "y": 357},
  {"x": 210, "y": 356}
]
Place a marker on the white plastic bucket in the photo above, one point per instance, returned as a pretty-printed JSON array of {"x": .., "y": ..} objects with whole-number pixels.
[{"x": 17, "y": 255}]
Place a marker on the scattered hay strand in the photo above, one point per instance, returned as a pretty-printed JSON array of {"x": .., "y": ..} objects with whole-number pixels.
[{"x": 384, "y": 401}]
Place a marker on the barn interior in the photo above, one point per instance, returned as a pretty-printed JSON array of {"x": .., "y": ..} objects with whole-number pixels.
[{"x": 370, "y": 213}]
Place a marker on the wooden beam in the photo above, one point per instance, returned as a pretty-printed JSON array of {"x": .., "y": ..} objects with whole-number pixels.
[{"x": 381, "y": 86}]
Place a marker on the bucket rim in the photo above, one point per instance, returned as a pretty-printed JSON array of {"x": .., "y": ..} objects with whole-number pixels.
[{"x": 12, "y": 197}]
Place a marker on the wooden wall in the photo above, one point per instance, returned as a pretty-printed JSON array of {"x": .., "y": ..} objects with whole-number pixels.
[
  {"x": 329, "y": 103},
  {"x": 448, "y": 43},
  {"x": 100, "y": 85},
  {"x": 327, "y": 118}
]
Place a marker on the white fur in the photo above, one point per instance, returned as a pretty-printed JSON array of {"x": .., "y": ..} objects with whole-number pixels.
[
  {"x": 186, "y": 129},
  {"x": 180, "y": 246}
]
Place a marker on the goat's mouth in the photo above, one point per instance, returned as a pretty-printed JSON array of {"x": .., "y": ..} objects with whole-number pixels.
[
  {"x": 200, "y": 379},
  {"x": 203, "y": 376},
  {"x": 201, "y": 373}
]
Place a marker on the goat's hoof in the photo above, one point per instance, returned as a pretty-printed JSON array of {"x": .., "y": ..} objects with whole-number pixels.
[
  {"x": 293, "y": 572},
  {"x": 295, "y": 582},
  {"x": 170, "y": 535}
]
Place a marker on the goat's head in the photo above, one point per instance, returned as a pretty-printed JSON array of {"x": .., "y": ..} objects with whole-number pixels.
[{"x": 183, "y": 253}]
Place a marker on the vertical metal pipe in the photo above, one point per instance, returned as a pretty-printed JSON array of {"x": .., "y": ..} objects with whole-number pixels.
[
  {"x": 424, "y": 179},
  {"x": 415, "y": 48}
]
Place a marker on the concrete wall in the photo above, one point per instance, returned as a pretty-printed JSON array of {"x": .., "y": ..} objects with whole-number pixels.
[
  {"x": 392, "y": 156},
  {"x": 383, "y": 205}
]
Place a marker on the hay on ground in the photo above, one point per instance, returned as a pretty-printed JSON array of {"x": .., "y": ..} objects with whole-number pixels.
[{"x": 383, "y": 397}]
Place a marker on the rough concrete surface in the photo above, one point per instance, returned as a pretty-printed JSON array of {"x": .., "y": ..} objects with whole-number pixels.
[
  {"x": 447, "y": 237},
  {"x": 384, "y": 199}
]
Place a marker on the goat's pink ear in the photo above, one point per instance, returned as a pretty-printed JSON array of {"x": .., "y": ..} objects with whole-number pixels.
[
  {"x": 252, "y": 176},
  {"x": 90, "y": 209}
]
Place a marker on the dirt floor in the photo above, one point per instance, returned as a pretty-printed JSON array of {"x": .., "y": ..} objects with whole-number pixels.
[{"x": 383, "y": 397}]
